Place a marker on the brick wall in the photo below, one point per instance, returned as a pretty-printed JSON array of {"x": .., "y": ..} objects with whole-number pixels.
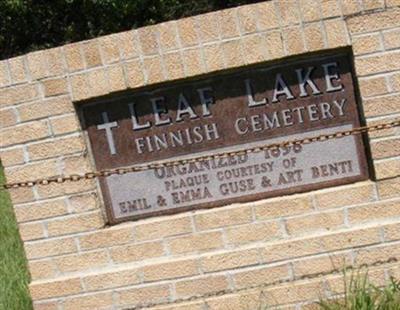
[{"x": 78, "y": 263}]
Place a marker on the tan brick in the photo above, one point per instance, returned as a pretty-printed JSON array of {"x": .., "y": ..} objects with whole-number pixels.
[
  {"x": 392, "y": 3},
  {"x": 55, "y": 87},
  {"x": 392, "y": 232},
  {"x": 294, "y": 40},
  {"x": 137, "y": 252},
  {"x": 112, "y": 279},
  {"x": 247, "y": 18},
  {"x": 174, "y": 65},
  {"x": 227, "y": 22},
  {"x": 315, "y": 222},
  {"x": 47, "y": 305},
  {"x": 55, "y": 61},
  {"x": 233, "y": 53},
  {"x": 106, "y": 238},
  {"x": 17, "y": 94},
  {"x": 64, "y": 124},
  {"x": 346, "y": 195},
  {"x": 310, "y": 10},
  {"x": 373, "y": 86},
  {"x": 17, "y": 69},
  {"x": 102, "y": 300},
  {"x": 161, "y": 228},
  {"x": 349, "y": 239},
  {"x": 366, "y": 44},
  {"x": 395, "y": 81},
  {"x": 383, "y": 132},
  {"x": 74, "y": 57},
  {"x": 31, "y": 231},
  {"x": 247, "y": 300},
  {"x": 37, "y": 64},
  {"x": 289, "y": 12},
  {"x": 154, "y": 69},
  {"x": 84, "y": 202},
  {"x": 274, "y": 44},
  {"x": 195, "y": 305},
  {"x": 134, "y": 74},
  {"x": 279, "y": 207},
  {"x": 201, "y": 286},
  {"x": 187, "y": 32},
  {"x": 13, "y": 156},
  {"x": 8, "y": 118},
  {"x": 91, "y": 53},
  {"x": 373, "y": 212},
  {"x": 263, "y": 275},
  {"x": 387, "y": 168},
  {"x": 214, "y": 57},
  {"x": 42, "y": 269},
  {"x": 80, "y": 86},
  {"x": 314, "y": 37},
  {"x": 230, "y": 260},
  {"x": 170, "y": 270},
  {"x": 350, "y": 7},
  {"x": 47, "y": 248},
  {"x": 109, "y": 48},
  {"x": 225, "y": 217},
  {"x": 54, "y": 148},
  {"x": 116, "y": 78},
  {"x": 253, "y": 48},
  {"x": 253, "y": 232},
  {"x": 296, "y": 292},
  {"x": 208, "y": 27},
  {"x": 78, "y": 164},
  {"x": 322, "y": 264},
  {"x": 4, "y": 74},
  {"x": 374, "y": 254},
  {"x": 32, "y": 171},
  {"x": 381, "y": 105},
  {"x": 40, "y": 210},
  {"x": 385, "y": 148},
  {"x": 267, "y": 18},
  {"x": 375, "y": 64},
  {"x": 58, "y": 189},
  {"x": 196, "y": 243},
  {"x": 44, "y": 108},
  {"x": 98, "y": 82},
  {"x": 143, "y": 295},
  {"x": 377, "y": 21},
  {"x": 75, "y": 224},
  {"x": 193, "y": 62},
  {"x": 148, "y": 39},
  {"x": 336, "y": 32},
  {"x": 373, "y": 4},
  {"x": 81, "y": 262},
  {"x": 291, "y": 249},
  {"x": 168, "y": 36},
  {"x": 391, "y": 39},
  {"x": 127, "y": 44},
  {"x": 389, "y": 188},
  {"x": 55, "y": 288},
  {"x": 21, "y": 195}
]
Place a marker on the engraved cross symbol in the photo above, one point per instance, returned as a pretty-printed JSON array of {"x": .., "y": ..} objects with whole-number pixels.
[{"x": 107, "y": 125}]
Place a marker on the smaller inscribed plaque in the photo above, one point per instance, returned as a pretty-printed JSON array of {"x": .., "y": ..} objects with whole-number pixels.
[{"x": 226, "y": 112}]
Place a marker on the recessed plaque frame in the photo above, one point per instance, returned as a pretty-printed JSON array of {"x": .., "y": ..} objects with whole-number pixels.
[{"x": 228, "y": 111}]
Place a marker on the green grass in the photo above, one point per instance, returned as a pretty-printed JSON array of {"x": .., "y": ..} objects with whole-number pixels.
[
  {"x": 361, "y": 294},
  {"x": 14, "y": 276}
]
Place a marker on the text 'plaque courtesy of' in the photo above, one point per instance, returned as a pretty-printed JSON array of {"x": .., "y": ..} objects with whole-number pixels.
[{"x": 251, "y": 107}]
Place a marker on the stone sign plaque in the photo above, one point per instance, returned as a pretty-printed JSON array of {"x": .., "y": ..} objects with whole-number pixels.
[{"x": 231, "y": 111}]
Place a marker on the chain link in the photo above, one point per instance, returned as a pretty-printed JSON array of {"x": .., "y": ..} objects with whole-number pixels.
[
  {"x": 333, "y": 271},
  {"x": 256, "y": 149}
]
